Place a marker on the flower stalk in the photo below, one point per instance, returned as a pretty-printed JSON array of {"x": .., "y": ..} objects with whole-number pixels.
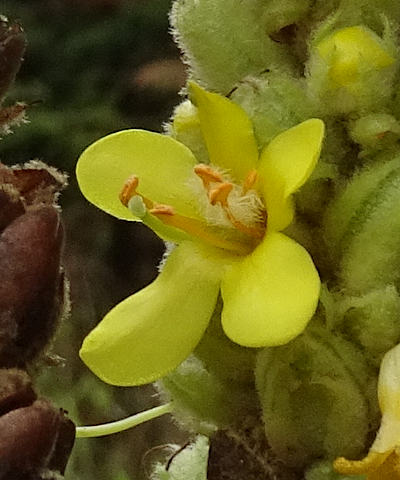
[{"x": 124, "y": 424}]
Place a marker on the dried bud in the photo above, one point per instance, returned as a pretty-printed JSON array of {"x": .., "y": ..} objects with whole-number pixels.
[
  {"x": 36, "y": 439},
  {"x": 31, "y": 238},
  {"x": 35, "y": 183},
  {"x": 29, "y": 438},
  {"x": 31, "y": 291}
]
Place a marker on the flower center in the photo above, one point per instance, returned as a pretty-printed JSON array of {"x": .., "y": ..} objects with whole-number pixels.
[
  {"x": 232, "y": 206},
  {"x": 235, "y": 216}
]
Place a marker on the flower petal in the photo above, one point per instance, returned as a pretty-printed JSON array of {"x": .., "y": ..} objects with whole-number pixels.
[
  {"x": 227, "y": 131},
  {"x": 162, "y": 164},
  {"x": 382, "y": 461},
  {"x": 153, "y": 331},
  {"x": 285, "y": 165},
  {"x": 271, "y": 295},
  {"x": 388, "y": 437},
  {"x": 371, "y": 463}
]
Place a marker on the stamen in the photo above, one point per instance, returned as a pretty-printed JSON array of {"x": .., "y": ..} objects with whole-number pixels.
[
  {"x": 159, "y": 209},
  {"x": 207, "y": 175},
  {"x": 192, "y": 226},
  {"x": 219, "y": 194},
  {"x": 198, "y": 229},
  {"x": 249, "y": 181},
  {"x": 129, "y": 189}
]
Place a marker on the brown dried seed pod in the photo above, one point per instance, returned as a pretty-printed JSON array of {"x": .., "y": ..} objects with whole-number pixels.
[
  {"x": 31, "y": 290},
  {"x": 28, "y": 438},
  {"x": 23, "y": 420},
  {"x": 38, "y": 183},
  {"x": 34, "y": 183}
]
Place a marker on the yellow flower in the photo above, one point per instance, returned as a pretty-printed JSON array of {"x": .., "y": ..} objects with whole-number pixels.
[
  {"x": 226, "y": 218},
  {"x": 383, "y": 459}
]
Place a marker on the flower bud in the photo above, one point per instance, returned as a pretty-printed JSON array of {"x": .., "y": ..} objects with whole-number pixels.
[
  {"x": 314, "y": 394},
  {"x": 275, "y": 101},
  {"x": 377, "y": 131},
  {"x": 352, "y": 69},
  {"x": 223, "y": 53},
  {"x": 362, "y": 227},
  {"x": 371, "y": 320}
]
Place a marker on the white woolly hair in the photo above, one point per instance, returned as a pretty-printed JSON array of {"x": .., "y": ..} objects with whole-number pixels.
[{"x": 247, "y": 207}]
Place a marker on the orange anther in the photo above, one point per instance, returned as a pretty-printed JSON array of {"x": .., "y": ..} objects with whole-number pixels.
[
  {"x": 207, "y": 174},
  {"x": 220, "y": 193},
  {"x": 129, "y": 189},
  {"x": 250, "y": 181},
  {"x": 162, "y": 210}
]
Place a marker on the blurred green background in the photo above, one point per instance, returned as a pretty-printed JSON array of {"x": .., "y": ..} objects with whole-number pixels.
[{"x": 93, "y": 67}]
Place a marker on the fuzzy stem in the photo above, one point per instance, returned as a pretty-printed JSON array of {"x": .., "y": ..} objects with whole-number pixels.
[{"x": 124, "y": 424}]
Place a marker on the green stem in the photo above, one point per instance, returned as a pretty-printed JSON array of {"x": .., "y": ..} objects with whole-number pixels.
[{"x": 124, "y": 424}]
